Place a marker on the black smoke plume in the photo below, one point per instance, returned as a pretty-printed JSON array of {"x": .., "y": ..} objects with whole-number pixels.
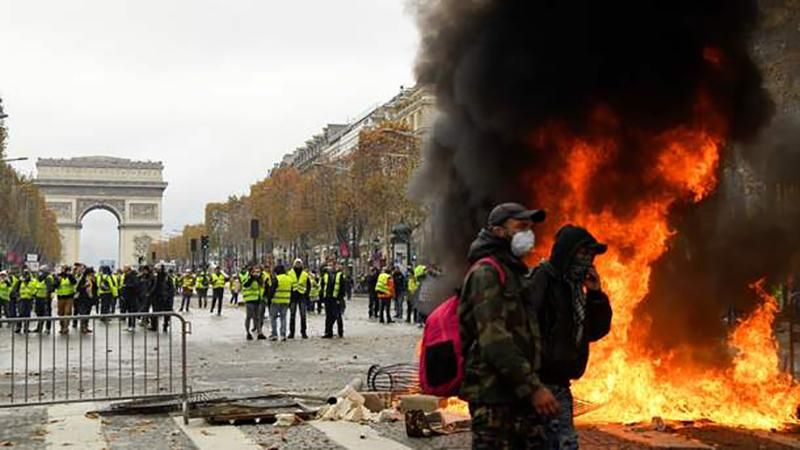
[{"x": 502, "y": 69}]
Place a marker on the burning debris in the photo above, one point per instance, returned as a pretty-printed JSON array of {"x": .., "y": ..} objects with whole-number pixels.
[{"x": 620, "y": 117}]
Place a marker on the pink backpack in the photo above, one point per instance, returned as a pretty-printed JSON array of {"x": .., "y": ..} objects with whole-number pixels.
[{"x": 441, "y": 365}]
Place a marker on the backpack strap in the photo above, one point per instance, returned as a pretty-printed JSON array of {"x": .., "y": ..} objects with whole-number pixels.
[{"x": 492, "y": 261}]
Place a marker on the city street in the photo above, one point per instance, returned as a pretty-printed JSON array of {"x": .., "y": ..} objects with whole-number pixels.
[{"x": 219, "y": 358}]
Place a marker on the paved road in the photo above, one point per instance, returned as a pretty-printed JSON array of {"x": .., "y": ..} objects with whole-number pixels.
[{"x": 220, "y": 358}]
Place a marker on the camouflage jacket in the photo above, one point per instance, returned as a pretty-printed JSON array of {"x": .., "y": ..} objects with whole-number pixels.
[{"x": 499, "y": 330}]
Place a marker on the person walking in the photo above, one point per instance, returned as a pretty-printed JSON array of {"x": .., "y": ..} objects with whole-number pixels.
[
  {"x": 147, "y": 283},
  {"x": 187, "y": 287},
  {"x": 314, "y": 293},
  {"x": 574, "y": 312},
  {"x": 85, "y": 297},
  {"x": 6, "y": 287},
  {"x": 280, "y": 302},
  {"x": 499, "y": 329},
  {"x": 372, "y": 281},
  {"x": 129, "y": 296},
  {"x": 43, "y": 299},
  {"x": 13, "y": 303},
  {"x": 27, "y": 290},
  {"x": 117, "y": 276},
  {"x": 163, "y": 296},
  {"x": 333, "y": 290},
  {"x": 236, "y": 287},
  {"x": 65, "y": 292},
  {"x": 301, "y": 285},
  {"x": 218, "y": 280},
  {"x": 107, "y": 290},
  {"x": 201, "y": 286},
  {"x": 384, "y": 289},
  {"x": 399, "y": 281},
  {"x": 252, "y": 296}
]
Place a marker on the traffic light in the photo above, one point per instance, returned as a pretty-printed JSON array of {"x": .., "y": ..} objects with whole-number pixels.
[{"x": 204, "y": 242}]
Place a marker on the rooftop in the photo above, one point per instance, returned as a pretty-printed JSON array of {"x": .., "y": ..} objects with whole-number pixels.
[{"x": 98, "y": 162}]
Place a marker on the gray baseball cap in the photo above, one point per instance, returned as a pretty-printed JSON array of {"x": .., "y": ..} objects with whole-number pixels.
[{"x": 505, "y": 211}]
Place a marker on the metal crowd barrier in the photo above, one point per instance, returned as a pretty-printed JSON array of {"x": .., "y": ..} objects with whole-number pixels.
[{"x": 111, "y": 363}]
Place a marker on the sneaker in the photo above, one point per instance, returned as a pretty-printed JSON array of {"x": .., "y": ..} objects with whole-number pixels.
[
  {"x": 305, "y": 336},
  {"x": 261, "y": 337},
  {"x": 249, "y": 337},
  {"x": 273, "y": 338},
  {"x": 283, "y": 339},
  {"x": 327, "y": 336},
  {"x": 291, "y": 336}
]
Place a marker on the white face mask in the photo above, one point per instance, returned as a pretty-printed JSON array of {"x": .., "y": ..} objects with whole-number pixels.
[{"x": 522, "y": 243}]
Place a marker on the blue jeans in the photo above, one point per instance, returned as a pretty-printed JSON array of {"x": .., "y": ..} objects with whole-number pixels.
[
  {"x": 276, "y": 310},
  {"x": 560, "y": 431}
]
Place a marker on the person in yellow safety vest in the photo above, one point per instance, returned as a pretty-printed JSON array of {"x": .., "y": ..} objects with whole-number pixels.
[
  {"x": 13, "y": 310},
  {"x": 300, "y": 288},
  {"x": 65, "y": 292},
  {"x": 27, "y": 289},
  {"x": 280, "y": 302},
  {"x": 43, "y": 300},
  {"x": 314, "y": 293},
  {"x": 201, "y": 286},
  {"x": 415, "y": 278},
  {"x": 106, "y": 290},
  {"x": 251, "y": 294},
  {"x": 6, "y": 287},
  {"x": 187, "y": 287},
  {"x": 333, "y": 291},
  {"x": 235, "y": 285},
  {"x": 218, "y": 280},
  {"x": 117, "y": 287},
  {"x": 385, "y": 290}
]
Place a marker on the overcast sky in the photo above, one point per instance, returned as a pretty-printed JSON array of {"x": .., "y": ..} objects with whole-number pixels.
[{"x": 216, "y": 89}]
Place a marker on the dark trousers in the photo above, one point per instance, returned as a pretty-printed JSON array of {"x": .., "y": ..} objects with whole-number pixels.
[
  {"x": 25, "y": 309},
  {"x": 386, "y": 306},
  {"x": 128, "y": 304},
  {"x": 506, "y": 427},
  {"x": 374, "y": 306},
  {"x": 216, "y": 299},
  {"x": 333, "y": 314},
  {"x": 105, "y": 303},
  {"x": 298, "y": 301},
  {"x": 186, "y": 301},
  {"x": 84, "y": 308},
  {"x": 44, "y": 308},
  {"x": 202, "y": 297},
  {"x": 234, "y": 298}
]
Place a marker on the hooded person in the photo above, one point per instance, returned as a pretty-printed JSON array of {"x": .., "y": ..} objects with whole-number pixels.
[
  {"x": 573, "y": 311},
  {"x": 500, "y": 335}
]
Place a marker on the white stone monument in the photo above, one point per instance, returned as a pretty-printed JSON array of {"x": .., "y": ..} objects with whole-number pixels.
[{"x": 131, "y": 190}]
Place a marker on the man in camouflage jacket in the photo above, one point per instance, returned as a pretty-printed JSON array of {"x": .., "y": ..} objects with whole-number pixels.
[{"x": 500, "y": 337}]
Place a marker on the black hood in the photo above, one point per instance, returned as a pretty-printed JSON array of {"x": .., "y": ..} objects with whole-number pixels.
[
  {"x": 487, "y": 244},
  {"x": 568, "y": 239}
]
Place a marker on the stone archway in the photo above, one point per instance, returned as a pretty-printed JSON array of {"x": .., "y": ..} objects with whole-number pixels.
[{"x": 131, "y": 190}]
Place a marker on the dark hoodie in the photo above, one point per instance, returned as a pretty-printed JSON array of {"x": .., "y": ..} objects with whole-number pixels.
[{"x": 564, "y": 359}]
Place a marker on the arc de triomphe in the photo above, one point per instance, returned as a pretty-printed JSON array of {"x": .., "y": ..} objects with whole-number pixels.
[{"x": 131, "y": 190}]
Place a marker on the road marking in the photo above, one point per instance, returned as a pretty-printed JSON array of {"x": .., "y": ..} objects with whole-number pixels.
[
  {"x": 216, "y": 437},
  {"x": 68, "y": 425},
  {"x": 349, "y": 435}
]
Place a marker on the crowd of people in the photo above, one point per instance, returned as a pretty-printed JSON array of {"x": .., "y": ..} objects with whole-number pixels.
[{"x": 280, "y": 296}]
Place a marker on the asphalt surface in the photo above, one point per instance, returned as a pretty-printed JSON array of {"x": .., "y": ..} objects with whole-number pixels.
[{"x": 219, "y": 358}]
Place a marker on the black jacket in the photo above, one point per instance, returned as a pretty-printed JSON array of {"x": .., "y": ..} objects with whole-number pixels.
[{"x": 564, "y": 359}]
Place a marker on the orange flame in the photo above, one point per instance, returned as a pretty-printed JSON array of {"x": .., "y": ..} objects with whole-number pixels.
[{"x": 621, "y": 374}]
